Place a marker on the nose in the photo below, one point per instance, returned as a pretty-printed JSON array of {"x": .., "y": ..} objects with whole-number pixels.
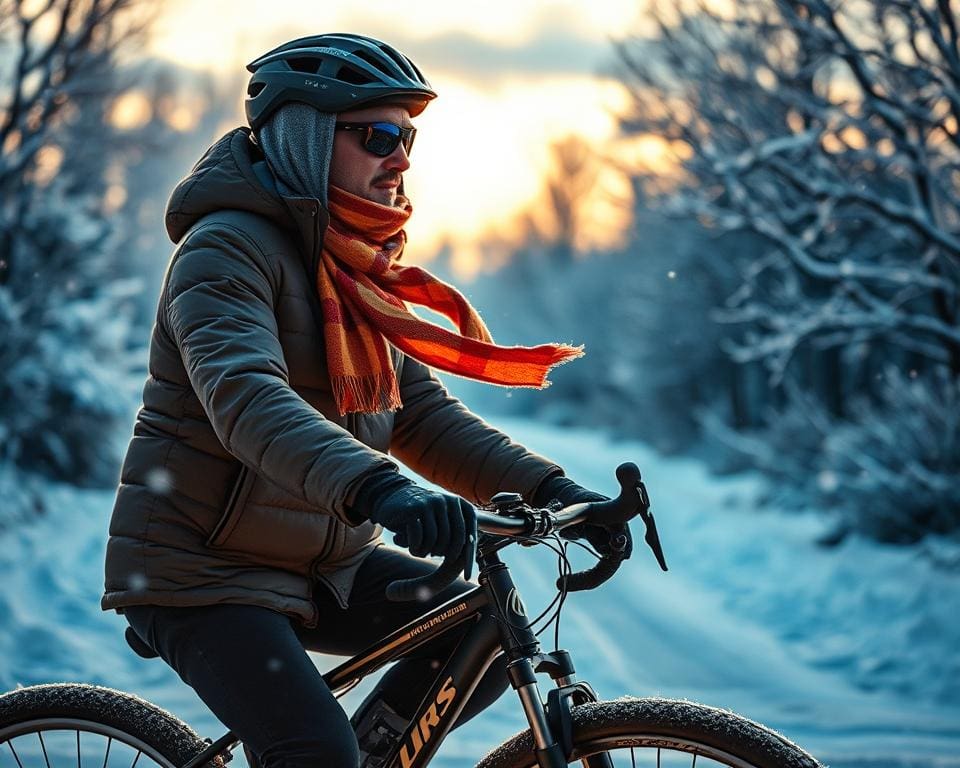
[{"x": 398, "y": 160}]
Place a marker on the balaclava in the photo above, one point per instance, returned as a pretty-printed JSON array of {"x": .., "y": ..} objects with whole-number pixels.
[{"x": 297, "y": 141}]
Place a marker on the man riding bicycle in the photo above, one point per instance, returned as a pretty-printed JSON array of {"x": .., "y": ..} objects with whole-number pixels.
[{"x": 284, "y": 368}]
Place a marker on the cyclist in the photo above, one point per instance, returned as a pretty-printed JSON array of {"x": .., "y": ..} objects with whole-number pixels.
[{"x": 284, "y": 368}]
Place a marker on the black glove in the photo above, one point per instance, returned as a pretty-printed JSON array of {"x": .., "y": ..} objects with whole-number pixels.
[
  {"x": 603, "y": 540},
  {"x": 425, "y": 522}
]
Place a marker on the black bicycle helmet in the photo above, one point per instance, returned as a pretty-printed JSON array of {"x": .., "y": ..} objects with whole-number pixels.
[{"x": 334, "y": 73}]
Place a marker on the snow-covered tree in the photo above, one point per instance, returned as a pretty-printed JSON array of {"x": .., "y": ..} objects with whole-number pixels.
[
  {"x": 827, "y": 132},
  {"x": 64, "y": 319}
]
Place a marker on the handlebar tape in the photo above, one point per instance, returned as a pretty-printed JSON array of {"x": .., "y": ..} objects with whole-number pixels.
[
  {"x": 610, "y": 512},
  {"x": 592, "y": 577}
]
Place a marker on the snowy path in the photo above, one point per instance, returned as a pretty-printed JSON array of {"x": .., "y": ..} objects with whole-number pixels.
[
  {"x": 680, "y": 634},
  {"x": 751, "y": 616}
]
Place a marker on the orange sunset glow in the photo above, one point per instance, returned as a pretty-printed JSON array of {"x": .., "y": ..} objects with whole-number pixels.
[{"x": 512, "y": 80}]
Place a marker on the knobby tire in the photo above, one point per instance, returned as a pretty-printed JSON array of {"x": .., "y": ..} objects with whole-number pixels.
[
  {"x": 649, "y": 724},
  {"x": 103, "y": 713}
]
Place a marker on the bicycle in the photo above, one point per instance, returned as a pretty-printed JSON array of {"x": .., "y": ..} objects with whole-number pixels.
[{"x": 571, "y": 725}]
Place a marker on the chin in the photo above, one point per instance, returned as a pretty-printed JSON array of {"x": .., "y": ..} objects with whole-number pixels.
[{"x": 384, "y": 196}]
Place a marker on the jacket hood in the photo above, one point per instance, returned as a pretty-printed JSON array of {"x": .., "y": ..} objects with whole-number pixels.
[{"x": 232, "y": 174}]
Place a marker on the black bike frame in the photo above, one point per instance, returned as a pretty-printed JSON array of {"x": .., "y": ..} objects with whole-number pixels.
[{"x": 495, "y": 622}]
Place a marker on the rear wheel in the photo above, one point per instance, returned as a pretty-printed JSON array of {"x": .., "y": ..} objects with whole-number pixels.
[
  {"x": 87, "y": 726},
  {"x": 663, "y": 733}
]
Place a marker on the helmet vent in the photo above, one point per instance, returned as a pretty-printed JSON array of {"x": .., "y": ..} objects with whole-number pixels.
[
  {"x": 399, "y": 60},
  {"x": 419, "y": 74},
  {"x": 348, "y": 74},
  {"x": 306, "y": 64},
  {"x": 254, "y": 89},
  {"x": 374, "y": 62}
]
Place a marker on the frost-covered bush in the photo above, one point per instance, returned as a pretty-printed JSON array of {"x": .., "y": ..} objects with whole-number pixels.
[
  {"x": 21, "y": 494},
  {"x": 63, "y": 349},
  {"x": 890, "y": 470},
  {"x": 894, "y": 468}
]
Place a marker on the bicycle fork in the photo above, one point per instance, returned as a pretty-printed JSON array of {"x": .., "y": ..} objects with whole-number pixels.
[{"x": 551, "y": 724}]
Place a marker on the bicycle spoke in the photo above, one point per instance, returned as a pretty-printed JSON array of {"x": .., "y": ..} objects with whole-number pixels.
[
  {"x": 694, "y": 763},
  {"x": 633, "y": 758},
  {"x": 106, "y": 757},
  {"x": 134, "y": 763},
  {"x": 44, "y": 748},
  {"x": 658, "y": 757},
  {"x": 78, "y": 749},
  {"x": 15, "y": 756}
]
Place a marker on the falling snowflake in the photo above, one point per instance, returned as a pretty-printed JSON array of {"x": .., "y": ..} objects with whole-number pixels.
[
  {"x": 672, "y": 275},
  {"x": 274, "y": 665},
  {"x": 137, "y": 582},
  {"x": 423, "y": 593},
  {"x": 159, "y": 480},
  {"x": 828, "y": 481}
]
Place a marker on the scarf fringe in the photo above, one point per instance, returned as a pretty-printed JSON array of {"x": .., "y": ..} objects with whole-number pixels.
[
  {"x": 366, "y": 394},
  {"x": 564, "y": 353}
]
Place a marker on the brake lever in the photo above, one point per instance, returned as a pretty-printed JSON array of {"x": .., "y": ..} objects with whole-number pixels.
[
  {"x": 628, "y": 474},
  {"x": 651, "y": 536}
]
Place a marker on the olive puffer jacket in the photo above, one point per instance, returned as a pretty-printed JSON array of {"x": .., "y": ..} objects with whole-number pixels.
[{"x": 237, "y": 481}]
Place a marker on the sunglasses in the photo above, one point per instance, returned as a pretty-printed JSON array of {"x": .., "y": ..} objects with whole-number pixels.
[{"x": 381, "y": 139}]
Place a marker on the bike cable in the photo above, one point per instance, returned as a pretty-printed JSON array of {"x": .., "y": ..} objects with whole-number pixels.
[
  {"x": 556, "y": 546},
  {"x": 553, "y": 611},
  {"x": 564, "y": 569},
  {"x": 501, "y": 613}
]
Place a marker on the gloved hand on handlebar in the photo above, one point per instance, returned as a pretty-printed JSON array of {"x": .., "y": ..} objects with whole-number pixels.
[
  {"x": 568, "y": 492},
  {"x": 425, "y": 522}
]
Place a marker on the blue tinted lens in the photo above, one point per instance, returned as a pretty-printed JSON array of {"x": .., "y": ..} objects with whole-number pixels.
[{"x": 382, "y": 138}]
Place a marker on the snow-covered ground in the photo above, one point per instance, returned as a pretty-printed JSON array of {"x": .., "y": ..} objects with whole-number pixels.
[{"x": 850, "y": 651}]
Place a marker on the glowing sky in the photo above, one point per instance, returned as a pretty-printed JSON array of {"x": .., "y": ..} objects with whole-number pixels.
[{"x": 512, "y": 77}]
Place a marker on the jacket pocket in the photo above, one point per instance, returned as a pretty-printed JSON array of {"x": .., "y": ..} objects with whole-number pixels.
[{"x": 234, "y": 509}]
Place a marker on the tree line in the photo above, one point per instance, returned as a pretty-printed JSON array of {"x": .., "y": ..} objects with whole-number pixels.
[{"x": 788, "y": 295}]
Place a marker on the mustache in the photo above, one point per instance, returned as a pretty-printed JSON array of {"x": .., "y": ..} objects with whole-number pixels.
[{"x": 394, "y": 177}]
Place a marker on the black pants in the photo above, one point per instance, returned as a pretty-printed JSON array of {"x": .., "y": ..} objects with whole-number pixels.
[{"x": 249, "y": 666}]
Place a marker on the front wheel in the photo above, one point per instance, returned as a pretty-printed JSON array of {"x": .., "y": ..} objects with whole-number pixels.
[
  {"x": 677, "y": 733},
  {"x": 88, "y": 725}
]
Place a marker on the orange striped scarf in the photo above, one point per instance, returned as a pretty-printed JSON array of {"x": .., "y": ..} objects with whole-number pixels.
[{"x": 363, "y": 289}]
